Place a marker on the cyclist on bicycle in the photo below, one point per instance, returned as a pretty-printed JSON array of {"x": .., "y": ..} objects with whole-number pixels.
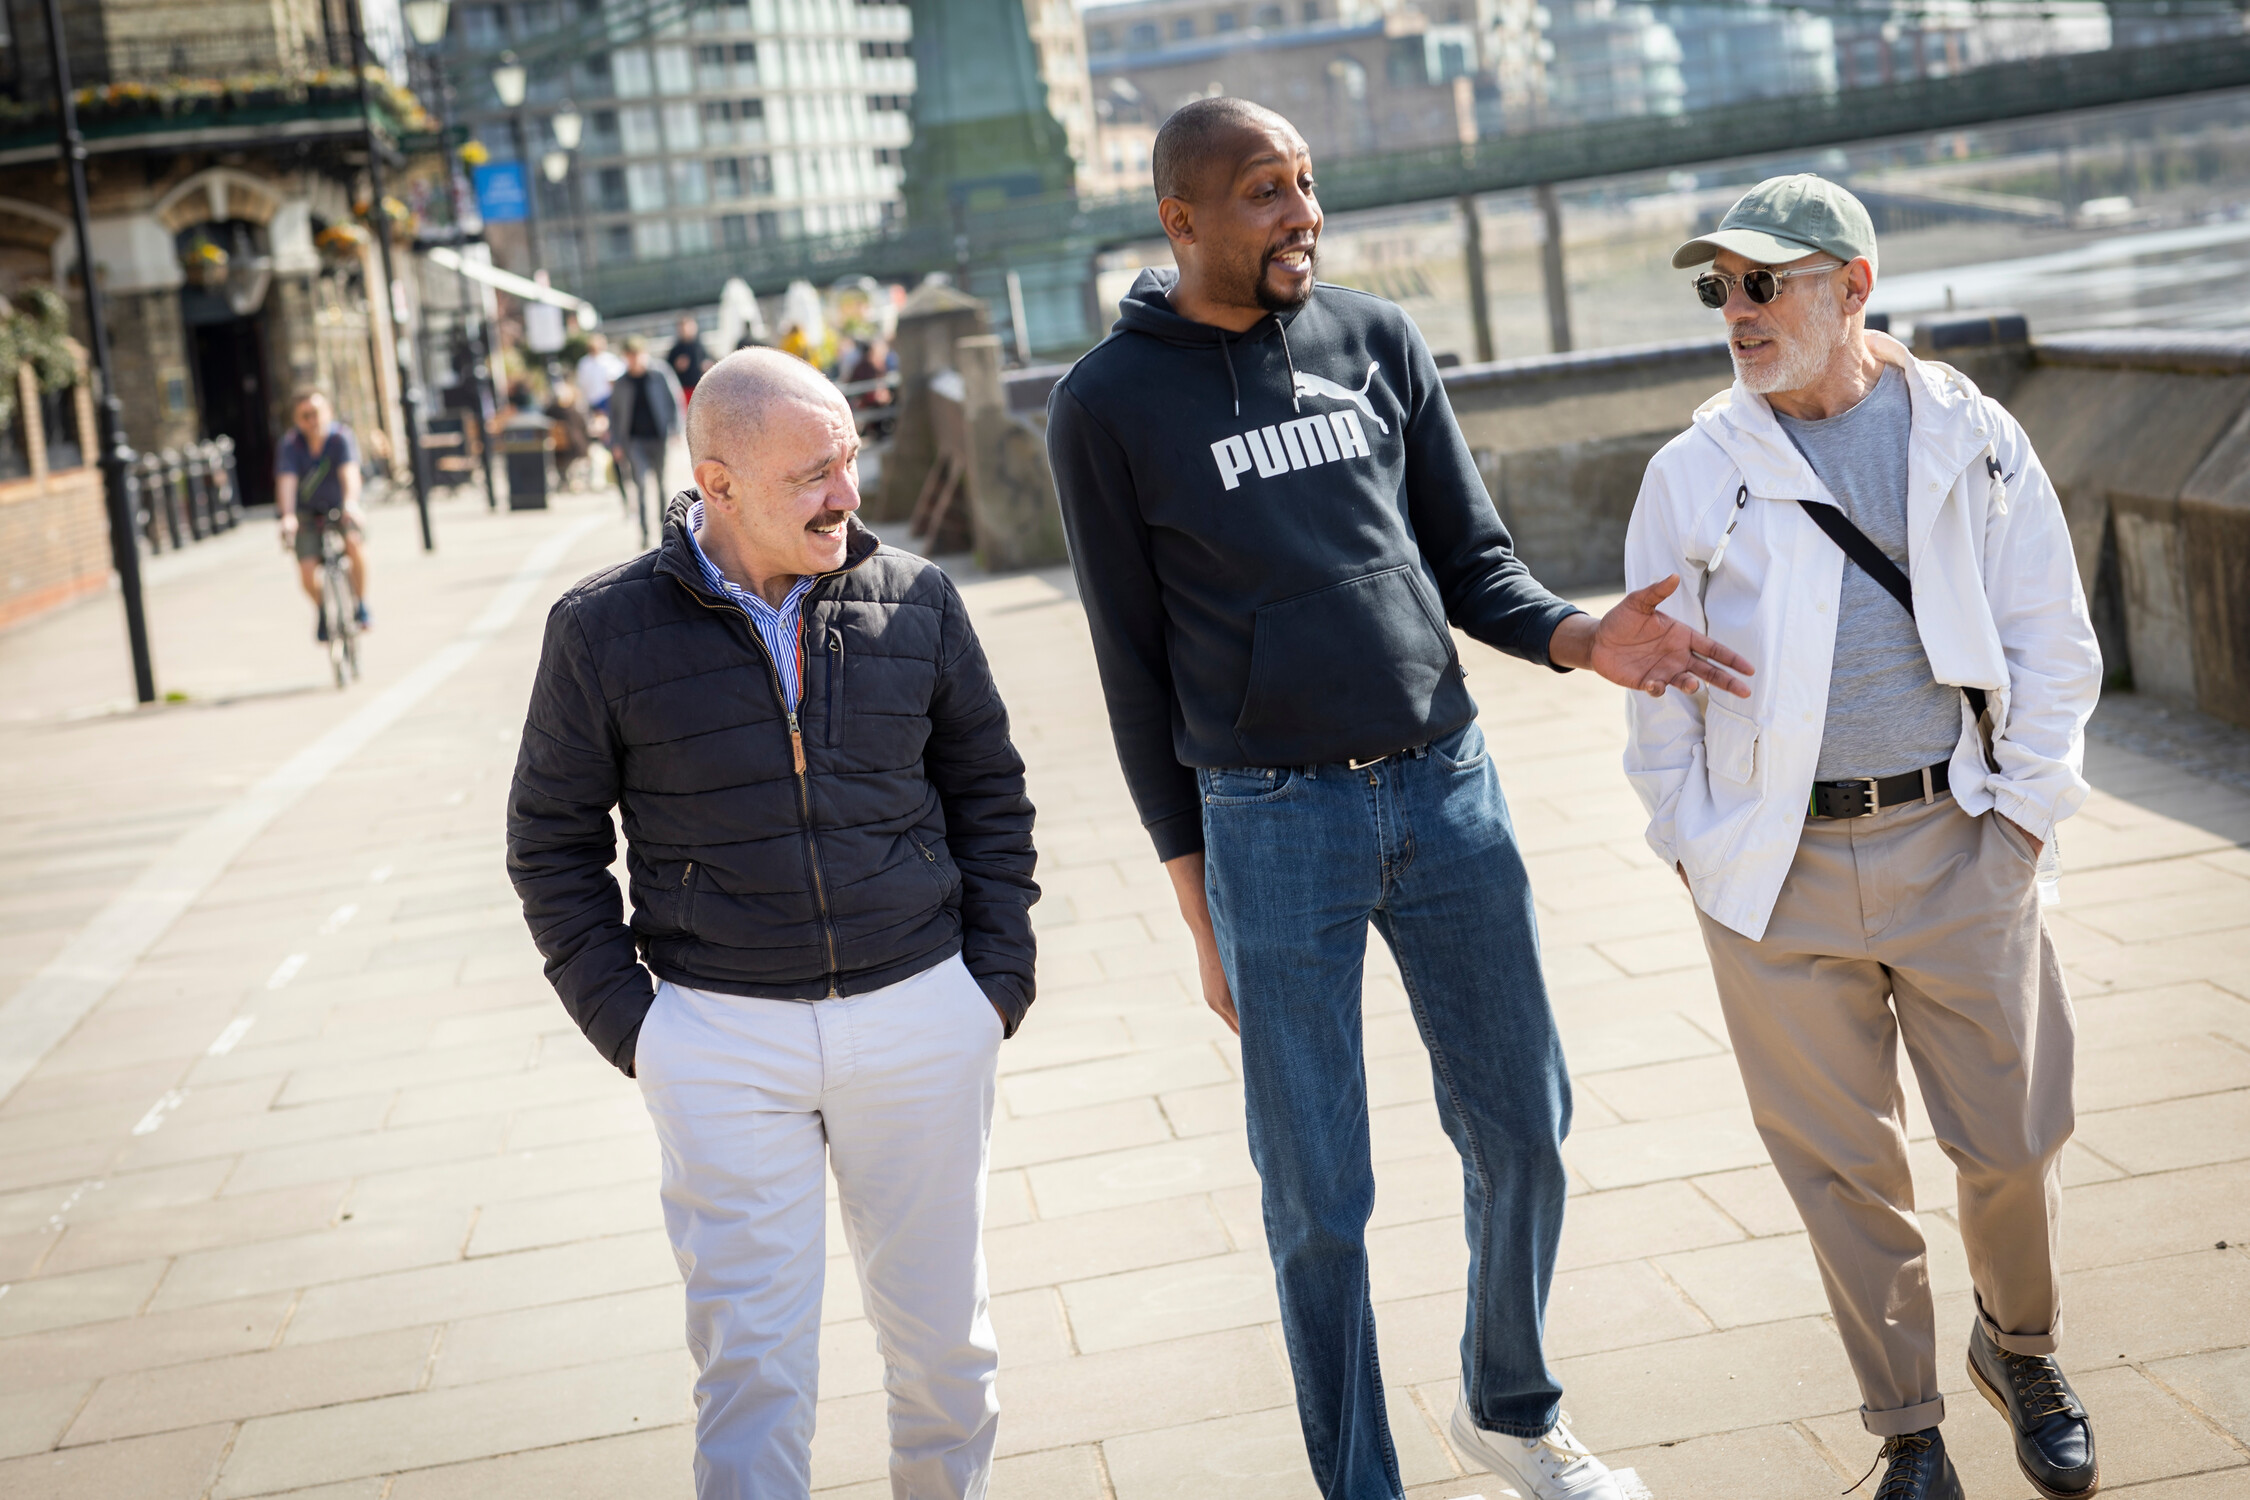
[{"x": 316, "y": 476}]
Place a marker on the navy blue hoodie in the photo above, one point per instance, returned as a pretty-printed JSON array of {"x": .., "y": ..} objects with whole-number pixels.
[{"x": 1271, "y": 530}]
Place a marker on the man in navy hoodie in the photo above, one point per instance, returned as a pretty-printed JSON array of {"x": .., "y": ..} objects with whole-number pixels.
[{"x": 1273, "y": 519}]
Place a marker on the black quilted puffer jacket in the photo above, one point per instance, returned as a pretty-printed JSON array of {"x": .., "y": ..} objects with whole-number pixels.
[{"x": 901, "y": 837}]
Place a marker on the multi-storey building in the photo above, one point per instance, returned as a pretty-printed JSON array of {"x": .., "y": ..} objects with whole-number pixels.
[
  {"x": 1354, "y": 76},
  {"x": 728, "y": 123}
]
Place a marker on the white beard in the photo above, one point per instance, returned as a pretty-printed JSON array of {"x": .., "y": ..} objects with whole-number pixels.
[{"x": 1802, "y": 361}]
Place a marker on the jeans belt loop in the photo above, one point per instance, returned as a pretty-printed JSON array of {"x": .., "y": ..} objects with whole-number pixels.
[{"x": 1929, "y": 795}]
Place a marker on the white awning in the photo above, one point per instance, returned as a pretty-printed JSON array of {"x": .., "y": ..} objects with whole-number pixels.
[{"x": 514, "y": 285}]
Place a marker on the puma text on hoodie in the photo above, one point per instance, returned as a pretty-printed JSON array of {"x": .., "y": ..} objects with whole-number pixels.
[{"x": 1271, "y": 531}]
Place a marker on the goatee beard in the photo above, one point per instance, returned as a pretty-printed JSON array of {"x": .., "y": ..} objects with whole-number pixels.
[{"x": 1274, "y": 302}]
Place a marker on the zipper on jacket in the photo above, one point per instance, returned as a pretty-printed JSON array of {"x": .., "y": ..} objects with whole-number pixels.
[
  {"x": 796, "y": 758},
  {"x": 835, "y": 686}
]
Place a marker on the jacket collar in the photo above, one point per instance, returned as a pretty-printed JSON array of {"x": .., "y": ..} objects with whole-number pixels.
[
  {"x": 676, "y": 555},
  {"x": 1949, "y": 431}
]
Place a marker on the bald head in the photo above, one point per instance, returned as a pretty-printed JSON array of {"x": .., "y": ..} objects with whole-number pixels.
[
  {"x": 1203, "y": 134},
  {"x": 738, "y": 397}
]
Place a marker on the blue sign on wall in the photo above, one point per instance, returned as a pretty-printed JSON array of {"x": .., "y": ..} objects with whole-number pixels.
[{"x": 501, "y": 195}]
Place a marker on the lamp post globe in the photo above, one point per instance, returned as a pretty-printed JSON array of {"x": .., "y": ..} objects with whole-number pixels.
[
  {"x": 556, "y": 164},
  {"x": 508, "y": 80},
  {"x": 427, "y": 20},
  {"x": 569, "y": 127}
]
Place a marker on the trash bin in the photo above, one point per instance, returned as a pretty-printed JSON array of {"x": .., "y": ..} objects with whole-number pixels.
[{"x": 523, "y": 445}]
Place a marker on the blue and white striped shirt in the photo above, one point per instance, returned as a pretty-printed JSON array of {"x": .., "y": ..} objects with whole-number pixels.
[{"x": 776, "y": 627}]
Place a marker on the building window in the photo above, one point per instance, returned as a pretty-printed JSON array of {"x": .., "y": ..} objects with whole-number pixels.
[
  {"x": 1225, "y": 20},
  {"x": 885, "y": 49},
  {"x": 601, "y": 134},
  {"x": 652, "y": 239},
  {"x": 690, "y": 186},
  {"x": 693, "y": 236},
  {"x": 1311, "y": 11},
  {"x": 675, "y": 74},
  {"x": 718, "y": 123},
  {"x": 734, "y": 230},
  {"x": 745, "y": 65},
  {"x": 1183, "y": 29},
  {"x": 681, "y": 131},
  {"x": 644, "y": 186},
  {"x": 593, "y": 76},
  {"x": 1272, "y": 15},
  {"x": 889, "y": 103},
  {"x": 609, "y": 190},
  {"x": 58, "y": 420},
  {"x": 750, "y": 122},
  {"x": 1143, "y": 38},
  {"x": 889, "y": 156},
  {"x": 1101, "y": 39},
  {"x": 711, "y": 68},
  {"x": 636, "y": 128},
  {"x": 628, "y": 72},
  {"x": 726, "y": 180},
  {"x": 757, "y": 176},
  {"x": 617, "y": 242},
  {"x": 480, "y": 27}
]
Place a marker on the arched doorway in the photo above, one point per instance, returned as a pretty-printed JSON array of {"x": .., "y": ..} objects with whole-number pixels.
[{"x": 223, "y": 305}]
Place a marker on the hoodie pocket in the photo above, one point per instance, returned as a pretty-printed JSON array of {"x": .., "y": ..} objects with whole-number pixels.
[{"x": 1354, "y": 668}]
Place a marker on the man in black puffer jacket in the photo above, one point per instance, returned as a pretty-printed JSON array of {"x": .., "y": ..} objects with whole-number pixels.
[{"x": 829, "y": 850}]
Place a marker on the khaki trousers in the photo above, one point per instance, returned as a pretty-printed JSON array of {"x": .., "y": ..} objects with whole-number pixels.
[{"x": 1919, "y": 923}]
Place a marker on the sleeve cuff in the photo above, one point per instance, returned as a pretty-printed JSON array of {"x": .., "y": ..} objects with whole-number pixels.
[
  {"x": 2029, "y": 816},
  {"x": 1565, "y": 610},
  {"x": 1181, "y": 833}
]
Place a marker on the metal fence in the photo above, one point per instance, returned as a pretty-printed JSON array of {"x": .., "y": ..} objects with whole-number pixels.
[{"x": 183, "y": 495}]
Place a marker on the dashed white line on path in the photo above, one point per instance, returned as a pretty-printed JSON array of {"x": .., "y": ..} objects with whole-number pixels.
[
  {"x": 236, "y": 1030},
  {"x": 286, "y": 970},
  {"x": 53, "y": 1001},
  {"x": 173, "y": 1099},
  {"x": 339, "y": 917}
]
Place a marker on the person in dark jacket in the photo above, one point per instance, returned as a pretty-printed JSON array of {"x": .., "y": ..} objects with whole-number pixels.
[
  {"x": 645, "y": 404},
  {"x": 829, "y": 852},
  {"x": 1273, "y": 519}
]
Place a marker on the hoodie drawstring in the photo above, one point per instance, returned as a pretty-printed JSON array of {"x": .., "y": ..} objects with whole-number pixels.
[
  {"x": 1232, "y": 383},
  {"x": 1283, "y": 329}
]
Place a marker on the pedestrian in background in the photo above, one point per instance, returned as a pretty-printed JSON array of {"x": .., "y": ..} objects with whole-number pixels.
[
  {"x": 645, "y": 406},
  {"x": 1862, "y": 837},
  {"x": 829, "y": 852},
  {"x": 687, "y": 356}
]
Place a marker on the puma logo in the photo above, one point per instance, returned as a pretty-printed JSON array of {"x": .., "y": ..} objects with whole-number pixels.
[{"x": 1316, "y": 385}]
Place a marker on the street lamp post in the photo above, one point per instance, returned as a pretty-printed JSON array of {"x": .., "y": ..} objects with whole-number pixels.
[
  {"x": 410, "y": 397},
  {"x": 570, "y": 128},
  {"x": 428, "y": 20},
  {"x": 509, "y": 81},
  {"x": 116, "y": 458}
]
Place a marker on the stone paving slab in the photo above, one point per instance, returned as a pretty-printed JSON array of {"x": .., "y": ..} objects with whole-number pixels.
[{"x": 326, "y": 1198}]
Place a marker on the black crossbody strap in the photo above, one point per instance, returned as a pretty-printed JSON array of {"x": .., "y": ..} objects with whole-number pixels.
[{"x": 1876, "y": 564}]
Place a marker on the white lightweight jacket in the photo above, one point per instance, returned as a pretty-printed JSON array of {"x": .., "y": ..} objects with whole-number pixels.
[{"x": 1727, "y": 781}]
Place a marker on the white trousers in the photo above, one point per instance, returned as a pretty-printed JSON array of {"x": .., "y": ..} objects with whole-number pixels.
[{"x": 896, "y": 1086}]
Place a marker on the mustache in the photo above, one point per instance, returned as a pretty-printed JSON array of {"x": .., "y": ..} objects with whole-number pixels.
[
  {"x": 827, "y": 517},
  {"x": 1304, "y": 242}
]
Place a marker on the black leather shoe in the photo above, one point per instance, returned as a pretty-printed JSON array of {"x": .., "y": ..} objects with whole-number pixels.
[
  {"x": 1915, "y": 1468},
  {"x": 2054, "y": 1437}
]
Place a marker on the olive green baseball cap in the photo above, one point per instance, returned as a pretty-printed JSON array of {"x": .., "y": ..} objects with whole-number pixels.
[{"x": 1785, "y": 218}]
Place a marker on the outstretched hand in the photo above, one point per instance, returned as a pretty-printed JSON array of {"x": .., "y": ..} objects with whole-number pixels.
[{"x": 1638, "y": 646}]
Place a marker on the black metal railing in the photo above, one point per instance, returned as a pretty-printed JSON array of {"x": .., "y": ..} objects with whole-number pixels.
[{"x": 184, "y": 495}]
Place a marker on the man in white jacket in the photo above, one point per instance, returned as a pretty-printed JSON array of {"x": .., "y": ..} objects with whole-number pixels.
[{"x": 1862, "y": 836}]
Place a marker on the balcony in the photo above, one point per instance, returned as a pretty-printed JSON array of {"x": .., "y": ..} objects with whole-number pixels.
[{"x": 267, "y": 85}]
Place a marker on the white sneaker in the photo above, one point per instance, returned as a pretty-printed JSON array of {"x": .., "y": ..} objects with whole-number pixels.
[{"x": 1555, "y": 1466}]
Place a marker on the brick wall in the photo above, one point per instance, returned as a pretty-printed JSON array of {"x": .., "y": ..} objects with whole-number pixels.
[{"x": 54, "y": 542}]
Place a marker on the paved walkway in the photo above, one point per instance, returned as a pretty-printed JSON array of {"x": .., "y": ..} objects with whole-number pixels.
[{"x": 325, "y": 1196}]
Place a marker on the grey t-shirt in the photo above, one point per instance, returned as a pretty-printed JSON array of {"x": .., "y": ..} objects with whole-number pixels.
[{"x": 1886, "y": 712}]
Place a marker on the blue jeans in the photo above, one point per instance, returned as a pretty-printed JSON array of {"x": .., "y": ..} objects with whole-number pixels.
[{"x": 1298, "y": 862}]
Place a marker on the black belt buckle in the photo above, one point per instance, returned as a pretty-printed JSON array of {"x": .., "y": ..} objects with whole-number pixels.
[{"x": 1856, "y": 798}]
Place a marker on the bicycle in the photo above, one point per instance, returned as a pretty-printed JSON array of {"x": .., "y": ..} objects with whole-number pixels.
[{"x": 339, "y": 605}]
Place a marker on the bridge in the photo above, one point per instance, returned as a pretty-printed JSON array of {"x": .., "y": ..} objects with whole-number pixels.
[{"x": 1053, "y": 239}]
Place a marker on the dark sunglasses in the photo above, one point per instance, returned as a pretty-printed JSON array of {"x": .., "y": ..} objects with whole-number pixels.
[{"x": 1760, "y": 286}]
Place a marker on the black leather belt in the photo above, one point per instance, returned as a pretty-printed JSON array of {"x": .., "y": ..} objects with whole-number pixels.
[
  {"x": 1411, "y": 752},
  {"x": 1865, "y": 796}
]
